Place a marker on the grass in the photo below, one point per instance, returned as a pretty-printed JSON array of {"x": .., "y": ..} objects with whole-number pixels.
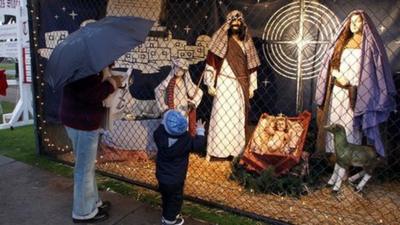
[
  {"x": 7, "y": 107},
  {"x": 19, "y": 144},
  {"x": 7, "y": 66}
]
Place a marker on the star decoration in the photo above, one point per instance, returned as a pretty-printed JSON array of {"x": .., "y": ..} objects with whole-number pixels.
[
  {"x": 265, "y": 82},
  {"x": 56, "y": 17},
  {"x": 187, "y": 29},
  {"x": 73, "y": 14}
]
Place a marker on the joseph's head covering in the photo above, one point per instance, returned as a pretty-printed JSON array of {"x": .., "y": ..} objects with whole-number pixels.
[{"x": 219, "y": 41}]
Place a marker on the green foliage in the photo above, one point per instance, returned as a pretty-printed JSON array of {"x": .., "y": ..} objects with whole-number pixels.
[{"x": 267, "y": 182}]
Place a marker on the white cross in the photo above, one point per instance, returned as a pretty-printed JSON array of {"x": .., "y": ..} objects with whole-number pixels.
[
  {"x": 56, "y": 16},
  {"x": 63, "y": 8},
  {"x": 187, "y": 29},
  {"x": 73, "y": 14},
  {"x": 382, "y": 28},
  {"x": 265, "y": 82}
]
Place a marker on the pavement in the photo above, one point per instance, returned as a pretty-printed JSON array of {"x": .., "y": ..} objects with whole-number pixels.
[
  {"x": 12, "y": 94},
  {"x": 32, "y": 196}
]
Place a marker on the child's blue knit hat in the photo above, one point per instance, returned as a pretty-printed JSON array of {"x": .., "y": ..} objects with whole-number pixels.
[{"x": 174, "y": 122}]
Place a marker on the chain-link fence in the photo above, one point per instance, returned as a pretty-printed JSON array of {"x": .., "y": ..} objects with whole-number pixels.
[{"x": 268, "y": 79}]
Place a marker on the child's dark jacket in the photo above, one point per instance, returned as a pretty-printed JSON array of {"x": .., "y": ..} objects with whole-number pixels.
[{"x": 172, "y": 162}]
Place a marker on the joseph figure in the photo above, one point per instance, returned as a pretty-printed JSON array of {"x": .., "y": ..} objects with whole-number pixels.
[{"x": 231, "y": 77}]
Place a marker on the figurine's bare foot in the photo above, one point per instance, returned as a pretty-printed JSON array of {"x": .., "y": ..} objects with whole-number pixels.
[
  {"x": 356, "y": 189},
  {"x": 328, "y": 185},
  {"x": 208, "y": 158},
  {"x": 359, "y": 192},
  {"x": 335, "y": 192},
  {"x": 338, "y": 195},
  {"x": 352, "y": 184}
]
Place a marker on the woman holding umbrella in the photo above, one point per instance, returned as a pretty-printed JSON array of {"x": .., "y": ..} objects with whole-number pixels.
[
  {"x": 85, "y": 88},
  {"x": 81, "y": 113}
]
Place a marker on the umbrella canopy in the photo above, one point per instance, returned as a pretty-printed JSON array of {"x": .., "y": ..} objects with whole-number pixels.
[{"x": 90, "y": 49}]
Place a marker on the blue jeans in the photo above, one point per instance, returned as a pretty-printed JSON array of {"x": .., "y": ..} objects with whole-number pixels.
[{"x": 86, "y": 196}]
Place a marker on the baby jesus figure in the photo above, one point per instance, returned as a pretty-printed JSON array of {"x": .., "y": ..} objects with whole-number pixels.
[
  {"x": 278, "y": 132},
  {"x": 275, "y": 134}
]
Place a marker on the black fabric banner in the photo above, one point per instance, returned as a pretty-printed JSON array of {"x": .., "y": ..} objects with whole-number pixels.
[
  {"x": 57, "y": 20},
  {"x": 290, "y": 36}
]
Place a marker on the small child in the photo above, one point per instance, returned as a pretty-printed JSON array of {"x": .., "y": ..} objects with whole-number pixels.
[{"x": 174, "y": 144}]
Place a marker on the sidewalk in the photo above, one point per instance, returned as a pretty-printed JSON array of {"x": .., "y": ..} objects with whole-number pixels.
[
  {"x": 12, "y": 94},
  {"x": 31, "y": 196}
]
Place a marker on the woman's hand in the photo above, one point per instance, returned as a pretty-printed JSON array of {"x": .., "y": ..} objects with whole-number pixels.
[
  {"x": 212, "y": 91},
  {"x": 116, "y": 81},
  {"x": 335, "y": 73},
  {"x": 251, "y": 93},
  {"x": 343, "y": 81},
  {"x": 340, "y": 78}
]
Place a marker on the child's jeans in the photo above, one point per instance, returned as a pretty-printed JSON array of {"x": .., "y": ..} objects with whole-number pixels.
[{"x": 172, "y": 199}]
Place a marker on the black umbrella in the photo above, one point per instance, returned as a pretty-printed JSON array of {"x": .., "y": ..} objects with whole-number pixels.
[{"x": 90, "y": 49}]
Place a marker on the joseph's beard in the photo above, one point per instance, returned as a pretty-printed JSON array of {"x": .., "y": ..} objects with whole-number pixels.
[{"x": 235, "y": 29}]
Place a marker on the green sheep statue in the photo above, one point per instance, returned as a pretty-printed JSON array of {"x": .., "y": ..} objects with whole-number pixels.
[{"x": 347, "y": 155}]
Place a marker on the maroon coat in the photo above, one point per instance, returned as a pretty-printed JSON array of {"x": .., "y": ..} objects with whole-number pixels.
[
  {"x": 3, "y": 83},
  {"x": 82, "y": 102}
]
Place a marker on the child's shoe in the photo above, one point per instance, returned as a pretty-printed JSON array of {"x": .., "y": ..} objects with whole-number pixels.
[{"x": 178, "y": 221}]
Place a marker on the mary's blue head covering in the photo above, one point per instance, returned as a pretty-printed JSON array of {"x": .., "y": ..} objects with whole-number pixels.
[{"x": 174, "y": 122}]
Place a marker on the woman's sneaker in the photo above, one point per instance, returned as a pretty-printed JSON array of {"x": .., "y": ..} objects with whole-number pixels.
[
  {"x": 100, "y": 216},
  {"x": 178, "y": 221}
]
